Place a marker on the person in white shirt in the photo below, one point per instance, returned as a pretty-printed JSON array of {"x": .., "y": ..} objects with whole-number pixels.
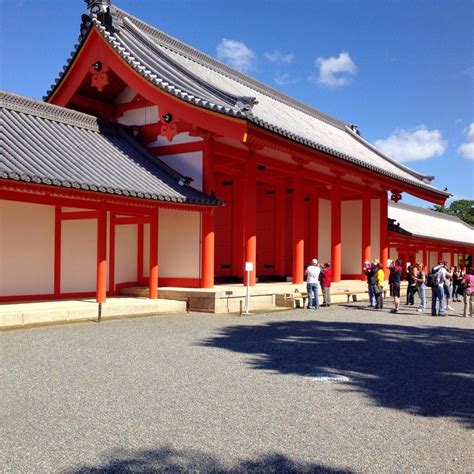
[{"x": 312, "y": 280}]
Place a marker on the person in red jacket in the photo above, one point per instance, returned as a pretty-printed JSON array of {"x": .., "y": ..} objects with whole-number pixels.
[{"x": 326, "y": 284}]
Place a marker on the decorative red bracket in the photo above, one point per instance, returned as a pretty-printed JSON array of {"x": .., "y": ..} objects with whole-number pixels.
[{"x": 100, "y": 75}]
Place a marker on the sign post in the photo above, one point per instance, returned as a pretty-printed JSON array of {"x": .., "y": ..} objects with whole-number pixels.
[{"x": 248, "y": 269}]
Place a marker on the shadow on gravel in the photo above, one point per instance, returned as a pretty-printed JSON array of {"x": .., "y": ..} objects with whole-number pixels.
[
  {"x": 168, "y": 459},
  {"x": 427, "y": 371}
]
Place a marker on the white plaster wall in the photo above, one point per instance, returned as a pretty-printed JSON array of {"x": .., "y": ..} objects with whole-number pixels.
[
  {"x": 433, "y": 260},
  {"x": 447, "y": 257},
  {"x": 393, "y": 254},
  {"x": 351, "y": 237},
  {"x": 126, "y": 237},
  {"x": 456, "y": 259},
  {"x": 183, "y": 137},
  {"x": 26, "y": 249},
  {"x": 324, "y": 242},
  {"x": 188, "y": 164},
  {"x": 78, "y": 256},
  {"x": 179, "y": 244},
  {"x": 375, "y": 228},
  {"x": 419, "y": 256},
  {"x": 143, "y": 116}
]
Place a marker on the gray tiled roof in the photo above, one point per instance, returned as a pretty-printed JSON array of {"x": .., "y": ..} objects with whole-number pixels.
[
  {"x": 203, "y": 81},
  {"x": 431, "y": 224},
  {"x": 45, "y": 144}
]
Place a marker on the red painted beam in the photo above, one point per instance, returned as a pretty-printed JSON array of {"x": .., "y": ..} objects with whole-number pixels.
[{"x": 164, "y": 150}]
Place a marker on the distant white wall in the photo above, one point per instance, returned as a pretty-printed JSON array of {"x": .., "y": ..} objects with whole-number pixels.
[
  {"x": 26, "y": 249},
  {"x": 324, "y": 241},
  {"x": 419, "y": 256},
  {"x": 433, "y": 260},
  {"x": 375, "y": 228},
  {"x": 78, "y": 255},
  {"x": 188, "y": 164},
  {"x": 143, "y": 116},
  {"x": 179, "y": 244},
  {"x": 447, "y": 257},
  {"x": 351, "y": 237},
  {"x": 126, "y": 237},
  {"x": 183, "y": 137}
]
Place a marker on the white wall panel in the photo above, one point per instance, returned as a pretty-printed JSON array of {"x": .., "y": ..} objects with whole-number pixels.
[
  {"x": 177, "y": 139},
  {"x": 433, "y": 260},
  {"x": 125, "y": 253},
  {"x": 179, "y": 244},
  {"x": 78, "y": 256},
  {"x": 351, "y": 237},
  {"x": 375, "y": 229},
  {"x": 447, "y": 257},
  {"x": 324, "y": 242},
  {"x": 26, "y": 249},
  {"x": 143, "y": 116}
]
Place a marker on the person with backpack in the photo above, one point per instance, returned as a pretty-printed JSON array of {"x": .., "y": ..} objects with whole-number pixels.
[
  {"x": 435, "y": 281},
  {"x": 420, "y": 280},
  {"x": 370, "y": 269}
]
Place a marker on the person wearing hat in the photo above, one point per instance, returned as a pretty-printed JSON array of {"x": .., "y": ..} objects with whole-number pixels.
[{"x": 312, "y": 280}]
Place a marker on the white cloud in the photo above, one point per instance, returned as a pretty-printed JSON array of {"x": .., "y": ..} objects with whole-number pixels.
[
  {"x": 236, "y": 54},
  {"x": 412, "y": 145},
  {"x": 467, "y": 149},
  {"x": 282, "y": 79},
  {"x": 335, "y": 71},
  {"x": 279, "y": 58}
]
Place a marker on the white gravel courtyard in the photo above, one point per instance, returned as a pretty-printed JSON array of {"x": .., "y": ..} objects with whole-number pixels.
[{"x": 342, "y": 389}]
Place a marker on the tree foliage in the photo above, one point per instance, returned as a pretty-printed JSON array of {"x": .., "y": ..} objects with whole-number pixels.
[{"x": 464, "y": 209}]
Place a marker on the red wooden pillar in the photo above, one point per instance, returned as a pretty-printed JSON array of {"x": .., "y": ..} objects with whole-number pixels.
[
  {"x": 366, "y": 217},
  {"x": 208, "y": 232},
  {"x": 153, "y": 276},
  {"x": 314, "y": 222},
  {"x": 250, "y": 216},
  {"x": 336, "y": 245},
  {"x": 280, "y": 230},
  {"x": 298, "y": 226},
  {"x": 101, "y": 290},
  {"x": 57, "y": 251},
  {"x": 384, "y": 232}
]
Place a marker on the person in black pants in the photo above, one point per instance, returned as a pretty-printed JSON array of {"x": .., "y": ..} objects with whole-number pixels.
[{"x": 411, "y": 288}]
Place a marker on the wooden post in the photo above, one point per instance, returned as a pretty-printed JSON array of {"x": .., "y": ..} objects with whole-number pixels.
[
  {"x": 101, "y": 290},
  {"x": 384, "y": 232},
  {"x": 366, "y": 217},
  {"x": 250, "y": 210},
  {"x": 208, "y": 219},
  {"x": 336, "y": 245},
  {"x": 153, "y": 277},
  {"x": 298, "y": 226}
]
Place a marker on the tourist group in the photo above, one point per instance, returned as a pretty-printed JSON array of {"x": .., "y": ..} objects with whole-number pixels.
[{"x": 447, "y": 284}]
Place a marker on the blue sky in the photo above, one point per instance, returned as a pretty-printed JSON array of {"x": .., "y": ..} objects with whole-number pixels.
[{"x": 402, "y": 70}]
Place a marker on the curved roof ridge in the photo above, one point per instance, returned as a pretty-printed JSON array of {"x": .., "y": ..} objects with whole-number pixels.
[
  {"x": 182, "y": 48},
  {"x": 385, "y": 157},
  {"x": 31, "y": 106}
]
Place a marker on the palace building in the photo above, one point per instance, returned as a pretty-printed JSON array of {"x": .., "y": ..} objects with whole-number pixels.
[{"x": 151, "y": 163}]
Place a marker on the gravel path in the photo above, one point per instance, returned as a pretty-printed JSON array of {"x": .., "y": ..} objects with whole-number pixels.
[{"x": 342, "y": 389}]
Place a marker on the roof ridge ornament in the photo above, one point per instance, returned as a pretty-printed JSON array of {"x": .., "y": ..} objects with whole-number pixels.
[
  {"x": 245, "y": 103},
  {"x": 103, "y": 11}
]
